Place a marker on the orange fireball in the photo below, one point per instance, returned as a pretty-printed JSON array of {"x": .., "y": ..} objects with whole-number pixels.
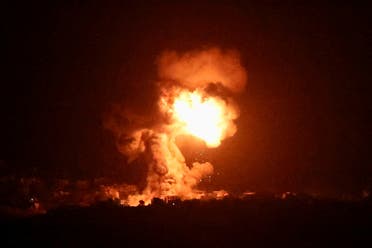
[{"x": 200, "y": 117}]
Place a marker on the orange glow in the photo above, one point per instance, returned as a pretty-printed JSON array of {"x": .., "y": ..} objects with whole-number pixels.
[{"x": 200, "y": 117}]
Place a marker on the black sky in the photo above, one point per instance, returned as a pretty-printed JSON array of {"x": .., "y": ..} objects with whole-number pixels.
[{"x": 304, "y": 114}]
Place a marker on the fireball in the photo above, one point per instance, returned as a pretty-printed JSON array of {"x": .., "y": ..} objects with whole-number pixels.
[{"x": 202, "y": 117}]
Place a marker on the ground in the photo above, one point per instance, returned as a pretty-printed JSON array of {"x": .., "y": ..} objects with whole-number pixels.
[{"x": 259, "y": 222}]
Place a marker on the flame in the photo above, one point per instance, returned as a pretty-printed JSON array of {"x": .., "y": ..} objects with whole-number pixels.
[{"x": 200, "y": 117}]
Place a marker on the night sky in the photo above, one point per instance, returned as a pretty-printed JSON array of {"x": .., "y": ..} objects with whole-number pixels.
[{"x": 304, "y": 113}]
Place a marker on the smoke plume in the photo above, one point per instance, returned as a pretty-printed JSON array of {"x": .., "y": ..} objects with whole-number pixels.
[{"x": 199, "y": 68}]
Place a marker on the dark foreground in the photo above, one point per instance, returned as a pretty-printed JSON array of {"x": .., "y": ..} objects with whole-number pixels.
[{"x": 225, "y": 223}]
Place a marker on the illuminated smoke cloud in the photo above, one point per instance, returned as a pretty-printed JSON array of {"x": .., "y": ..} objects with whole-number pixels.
[{"x": 198, "y": 68}]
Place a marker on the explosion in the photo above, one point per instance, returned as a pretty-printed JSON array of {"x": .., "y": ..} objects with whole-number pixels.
[
  {"x": 202, "y": 118},
  {"x": 196, "y": 89}
]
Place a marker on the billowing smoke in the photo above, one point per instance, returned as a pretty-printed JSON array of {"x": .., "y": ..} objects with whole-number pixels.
[
  {"x": 197, "y": 69},
  {"x": 196, "y": 89}
]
